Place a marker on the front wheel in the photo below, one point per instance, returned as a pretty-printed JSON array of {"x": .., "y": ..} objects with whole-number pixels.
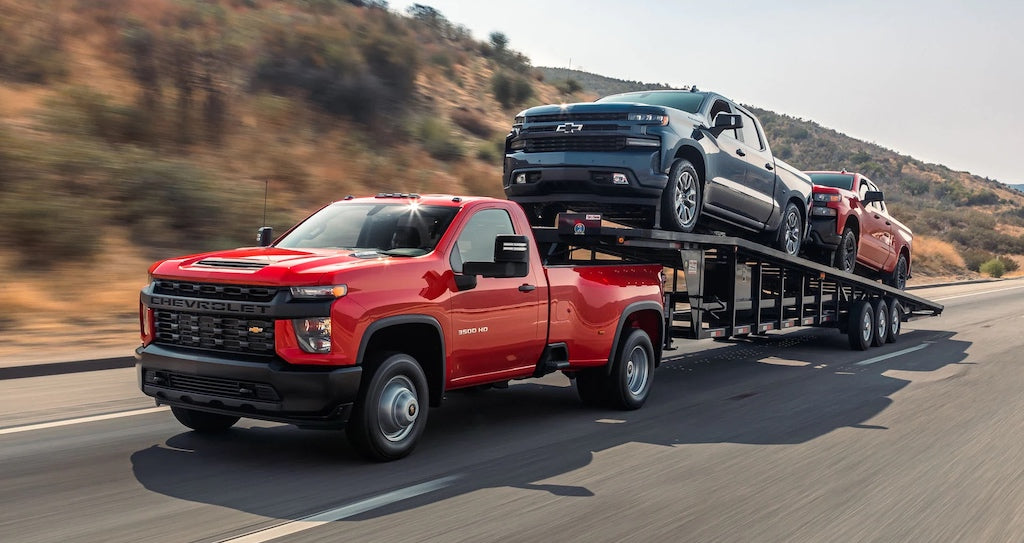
[
  {"x": 203, "y": 422},
  {"x": 682, "y": 200},
  {"x": 846, "y": 253},
  {"x": 791, "y": 231},
  {"x": 898, "y": 278},
  {"x": 390, "y": 414}
]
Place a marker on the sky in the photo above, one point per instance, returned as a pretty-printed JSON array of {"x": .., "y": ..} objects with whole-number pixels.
[{"x": 936, "y": 80}]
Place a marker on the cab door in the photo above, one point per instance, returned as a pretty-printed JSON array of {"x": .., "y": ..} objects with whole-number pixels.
[
  {"x": 875, "y": 246},
  {"x": 497, "y": 327}
]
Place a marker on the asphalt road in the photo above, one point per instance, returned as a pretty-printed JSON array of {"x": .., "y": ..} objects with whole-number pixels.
[{"x": 792, "y": 437}]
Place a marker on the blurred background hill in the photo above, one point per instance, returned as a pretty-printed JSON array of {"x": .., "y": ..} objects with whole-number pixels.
[{"x": 132, "y": 130}]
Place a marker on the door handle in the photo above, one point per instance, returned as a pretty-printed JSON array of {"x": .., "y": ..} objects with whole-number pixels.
[
  {"x": 769, "y": 166},
  {"x": 887, "y": 223},
  {"x": 740, "y": 152},
  {"x": 526, "y": 288}
]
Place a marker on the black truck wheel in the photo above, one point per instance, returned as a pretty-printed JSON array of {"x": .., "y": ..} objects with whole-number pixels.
[
  {"x": 846, "y": 253},
  {"x": 203, "y": 422},
  {"x": 629, "y": 383},
  {"x": 861, "y": 328},
  {"x": 682, "y": 199},
  {"x": 895, "y": 319},
  {"x": 391, "y": 411},
  {"x": 791, "y": 231},
  {"x": 881, "y": 310},
  {"x": 898, "y": 278}
]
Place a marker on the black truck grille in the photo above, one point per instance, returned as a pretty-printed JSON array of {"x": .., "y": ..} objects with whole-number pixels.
[
  {"x": 576, "y": 117},
  {"x": 214, "y": 332},
  {"x": 212, "y": 386},
  {"x": 575, "y": 143},
  {"x": 214, "y": 291}
]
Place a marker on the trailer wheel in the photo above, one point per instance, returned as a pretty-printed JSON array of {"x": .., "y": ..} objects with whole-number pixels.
[
  {"x": 630, "y": 381},
  {"x": 682, "y": 199},
  {"x": 390, "y": 413},
  {"x": 881, "y": 310},
  {"x": 861, "y": 328},
  {"x": 203, "y": 422},
  {"x": 895, "y": 319},
  {"x": 590, "y": 386}
]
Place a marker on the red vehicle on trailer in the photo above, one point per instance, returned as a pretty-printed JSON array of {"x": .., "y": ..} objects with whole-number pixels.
[
  {"x": 371, "y": 309},
  {"x": 852, "y": 230}
]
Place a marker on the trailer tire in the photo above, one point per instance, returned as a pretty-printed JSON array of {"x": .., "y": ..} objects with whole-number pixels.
[
  {"x": 881, "y": 310},
  {"x": 390, "y": 413},
  {"x": 895, "y": 319},
  {"x": 203, "y": 422},
  {"x": 861, "y": 328},
  {"x": 629, "y": 383},
  {"x": 590, "y": 386}
]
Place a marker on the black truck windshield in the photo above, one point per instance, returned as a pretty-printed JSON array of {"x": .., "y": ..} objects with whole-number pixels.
[
  {"x": 683, "y": 100},
  {"x": 399, "y": 229},
  {"x": 837, "y": 180}
]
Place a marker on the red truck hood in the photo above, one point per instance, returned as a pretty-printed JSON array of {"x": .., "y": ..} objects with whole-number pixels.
[{"x": 266, "y": 265}]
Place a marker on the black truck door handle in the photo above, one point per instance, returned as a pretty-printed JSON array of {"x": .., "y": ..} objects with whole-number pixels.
[
  {"x": 740, "y": 152},
  {"x": 769, "y": 166},
  {"x": 526, "y": 288}
]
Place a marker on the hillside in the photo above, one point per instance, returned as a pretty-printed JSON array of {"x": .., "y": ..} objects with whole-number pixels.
[{"x": 134, "y": 130}]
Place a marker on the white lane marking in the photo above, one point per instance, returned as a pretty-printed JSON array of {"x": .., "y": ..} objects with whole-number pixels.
[
  {"x": 892, "y": 355},
  {"x": 976, "y": 293},
  {"x": 339, "y": 513},
  {"x": 82, "y": 420}
]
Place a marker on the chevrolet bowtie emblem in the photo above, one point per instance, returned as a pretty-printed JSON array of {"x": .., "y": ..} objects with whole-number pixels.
[
  {"x": 569, "y": 128},
  {"x": 255, "y": 330}
]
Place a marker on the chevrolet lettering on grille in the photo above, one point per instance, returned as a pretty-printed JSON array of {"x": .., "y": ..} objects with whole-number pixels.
[
  {"x": 569, "y": 128},
  {"x": 208, "y": 305}
]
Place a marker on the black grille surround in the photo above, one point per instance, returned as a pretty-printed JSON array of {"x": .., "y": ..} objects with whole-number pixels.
[
  {"x": 575, "y": 143},
  {"x": 213, "y": 291},
  {"x": 224, "y": 333},
  {"x": 577, "y": 117}
]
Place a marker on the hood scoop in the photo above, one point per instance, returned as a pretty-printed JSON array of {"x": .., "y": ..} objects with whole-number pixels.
[{"x": 232, "y": 263}]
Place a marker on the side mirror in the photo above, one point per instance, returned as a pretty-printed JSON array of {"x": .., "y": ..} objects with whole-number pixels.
[
  {"x": 265, "y": 236},
  {"x": 726, "y": 121},
  {"x": 511, "y": 259},
  {"x": 872, "y": 196}
]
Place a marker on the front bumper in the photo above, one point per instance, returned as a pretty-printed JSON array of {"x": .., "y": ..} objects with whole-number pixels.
[
  {"x": 260, "y": 389},
  {"x": 823, "y": 232}
]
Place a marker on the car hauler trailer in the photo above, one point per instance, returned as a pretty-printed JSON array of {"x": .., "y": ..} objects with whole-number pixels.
[{"x": 732, "y": 287}]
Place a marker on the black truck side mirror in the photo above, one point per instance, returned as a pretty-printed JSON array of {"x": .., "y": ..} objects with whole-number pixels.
[
  {"x": 872, "y": 196},
  {"x": 726, "y": 121}
]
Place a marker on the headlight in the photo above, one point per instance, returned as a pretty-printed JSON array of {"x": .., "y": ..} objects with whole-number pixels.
[
  {"x": 826, "y": 197},
  {"x": 324, "y": 292},
  {"x": 314, "y": 335},
  {"x": 652, "y": 118},
  {"x": 520, "y": 119}
]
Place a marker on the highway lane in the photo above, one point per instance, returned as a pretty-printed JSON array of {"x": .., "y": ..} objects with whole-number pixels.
[{"x": 784, "y": 438}]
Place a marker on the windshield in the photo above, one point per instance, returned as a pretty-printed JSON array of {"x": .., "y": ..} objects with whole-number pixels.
[
  {"x": 682, "y": 100},
  {"x": 837, "y": 180},
  {"x": 398, "y": 229}
]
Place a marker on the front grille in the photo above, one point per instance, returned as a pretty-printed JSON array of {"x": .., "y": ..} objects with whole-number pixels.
[
  {"x": 575, "y": 143},
  {"x": 212, "y": 386},
  {"x": 214, "y": 332},
  {"x": 591, "y": 127},
  {"x": 214, "y": 291},
  {"x": 576, "y": 117}
]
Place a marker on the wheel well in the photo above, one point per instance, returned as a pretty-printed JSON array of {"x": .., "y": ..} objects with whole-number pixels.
[
  {"x": 693, "y": 155},
  {"x": 419, "y": 340},
  {"x": 906, "y": 252},
  {"x": 852, "y": 222},
  {"x": 801, "y": 206},
  {"x": 650, "y": 322}
]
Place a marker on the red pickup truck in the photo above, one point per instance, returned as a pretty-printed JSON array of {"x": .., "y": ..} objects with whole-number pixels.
[{"x": 371, "y": 309}]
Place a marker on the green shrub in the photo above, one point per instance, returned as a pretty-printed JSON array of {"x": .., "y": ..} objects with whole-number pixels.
[
  {"x": 994, "y": 268},
  {"x": 569, "y": 86},
  {"x": 48, "y": 228},
  {"x": 974, "y": 258},
  {"x": 510, "y": 90},
  {"x": 437, "y": 139},
  {"x": 1009, "y": 263},
  {"x": 473, "y": 122}
]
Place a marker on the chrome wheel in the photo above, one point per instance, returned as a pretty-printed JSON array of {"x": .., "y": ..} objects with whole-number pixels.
[
  {"x": 637, "y": 371},
  {"x": 865, "y": 327},
  {"x": 686, "y": 199},
  {"x": 792, "y": 231},
  {"x": 398, "y": 408}
]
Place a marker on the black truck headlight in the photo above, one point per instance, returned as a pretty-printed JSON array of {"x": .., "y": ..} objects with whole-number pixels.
[
  {"x": 652, "y": 118},
  {"x": 314, "y": 335}
]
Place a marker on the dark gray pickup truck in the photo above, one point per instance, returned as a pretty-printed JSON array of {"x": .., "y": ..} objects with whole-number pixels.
[{"x": 678, "y": 160}]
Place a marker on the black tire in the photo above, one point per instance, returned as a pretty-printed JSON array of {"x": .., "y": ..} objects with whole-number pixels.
[
  {"x": 881, "y": 318},
  {"x": 898, "y": 278},
  {"x": 791, "y": 231},
  {"x": 590, "y": 386},
  {"x": 203, "y": 422},
  {"x": 683, "y": 198},
  {"x": 861, "y": 328},
  {"x": 846, "y": 253},
  {"x": 895, "y": 319},
  {"x": 629, "y": 384},
  {"x": 390, "y": 413}
]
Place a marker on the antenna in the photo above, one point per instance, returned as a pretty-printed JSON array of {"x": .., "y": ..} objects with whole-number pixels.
[
  {"x": 266, "y": 190},
  {"x": 265, "y": 235}
]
